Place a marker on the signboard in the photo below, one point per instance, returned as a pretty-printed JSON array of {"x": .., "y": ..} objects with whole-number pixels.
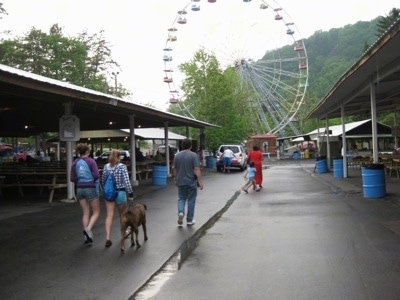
[{"x": 69, "y": 128}]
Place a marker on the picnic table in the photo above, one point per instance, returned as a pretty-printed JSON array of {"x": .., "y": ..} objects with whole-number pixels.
[
  {"x": 33, "y": 177},
  {"x": 145, "y": 168}
]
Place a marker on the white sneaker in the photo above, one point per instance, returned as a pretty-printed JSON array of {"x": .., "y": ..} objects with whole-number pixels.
[
  {"x": 180, "y": 219},
  {"x": 191, "y": 223}
]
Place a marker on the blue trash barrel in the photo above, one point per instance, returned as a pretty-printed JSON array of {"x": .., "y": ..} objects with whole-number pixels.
[
  {"x": 373, "y": 178},
  {"x": 159, "y": 175},
  {"x": 211, "y": 161},
  {"x": 338, "y": 168},
  {"x": 321, "y": 165},
  {"x": 296, "y": 155}
]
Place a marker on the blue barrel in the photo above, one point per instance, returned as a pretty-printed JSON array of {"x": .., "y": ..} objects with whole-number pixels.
[
  {"x": 373, "y": 178},
  {"x": 210, "y": 162},
  {"x": 296, "y": 155},
  {"x": 321, "y": 165},
  {"x": 159, "y": 175},
  {"x": 338, "y": 168}
]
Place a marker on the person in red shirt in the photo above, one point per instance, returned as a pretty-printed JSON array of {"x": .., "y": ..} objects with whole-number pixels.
[
  {"x": 257, "y": 157},
  {"x": 21, "y": 157}
]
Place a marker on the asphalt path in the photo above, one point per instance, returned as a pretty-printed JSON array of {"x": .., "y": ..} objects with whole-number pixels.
[
  {"x": 298, "y": 238},
  {"x": 43, "y": 255}
]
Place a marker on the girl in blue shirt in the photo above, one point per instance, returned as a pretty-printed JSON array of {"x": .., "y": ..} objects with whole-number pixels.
[{"x": 250, "y": 175}]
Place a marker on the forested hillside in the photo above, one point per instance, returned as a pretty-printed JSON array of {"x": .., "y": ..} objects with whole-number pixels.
[{"x": 330, "y": 54}]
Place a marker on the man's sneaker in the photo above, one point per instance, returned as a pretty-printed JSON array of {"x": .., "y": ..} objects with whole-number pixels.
[
  {"x": 89, "y": 235},
  {"x": 191, "y": 223},
  {"x": 180, "y": 219}
]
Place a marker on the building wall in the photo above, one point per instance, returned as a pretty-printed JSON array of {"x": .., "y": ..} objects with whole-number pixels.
[{"x": 260, "y": 142}]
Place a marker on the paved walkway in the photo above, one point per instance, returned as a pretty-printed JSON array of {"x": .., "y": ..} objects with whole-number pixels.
[{"x": 43, "y": 255}]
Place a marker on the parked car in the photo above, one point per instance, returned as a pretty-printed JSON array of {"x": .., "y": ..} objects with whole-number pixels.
[
  {"x": 239, "y": 161},
  {"x": 173, "y": 149},
  {"x": 125, "y": 155}
]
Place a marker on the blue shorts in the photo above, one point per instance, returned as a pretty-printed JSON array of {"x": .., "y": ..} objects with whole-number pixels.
[
  {"x": 87, "y": 193},
  {"x": 227, "y": 161}
]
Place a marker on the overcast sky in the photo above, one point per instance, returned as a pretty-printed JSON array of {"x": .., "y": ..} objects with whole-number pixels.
[{"x": 137, "y": 30}]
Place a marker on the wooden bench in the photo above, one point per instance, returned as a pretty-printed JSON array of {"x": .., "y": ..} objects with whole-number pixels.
[
  {"x": 51, "y": 180},
  {"x": 359, "y": 161}
]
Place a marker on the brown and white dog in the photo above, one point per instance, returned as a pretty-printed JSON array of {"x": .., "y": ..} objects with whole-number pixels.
[{"x": 133, "y": 216}]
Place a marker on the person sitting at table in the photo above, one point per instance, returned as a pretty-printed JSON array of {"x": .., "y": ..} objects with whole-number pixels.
[
  {"x": 139, "y": 155},
  {"x": 158, "y": 156},
  {"x": 21, "y": 156},
  {"x": 355, "y": 150}
]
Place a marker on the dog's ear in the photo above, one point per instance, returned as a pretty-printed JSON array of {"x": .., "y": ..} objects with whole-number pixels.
[{"x": 145, "y": 206}]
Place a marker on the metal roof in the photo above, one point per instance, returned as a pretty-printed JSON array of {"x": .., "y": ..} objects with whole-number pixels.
[
  {"x": 142, "y": 133},
  {"x": 31, "y": 104},
  {"x": 337, "y": 129},
  {"x": 380, "y": 64},
  {"x": 353, "y": 129},
  {"x": 358, "y": 129}
]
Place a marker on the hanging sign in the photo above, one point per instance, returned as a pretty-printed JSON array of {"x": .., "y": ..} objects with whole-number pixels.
[{"x": 69, "y": 127}]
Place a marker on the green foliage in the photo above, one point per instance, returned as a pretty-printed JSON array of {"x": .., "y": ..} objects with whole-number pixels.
[
  {"x": 213, "y": 95},
  {"x": 385, "y": 22},
  {"x": 330, "y": 55},
  {"x": 83, "y": 60}
]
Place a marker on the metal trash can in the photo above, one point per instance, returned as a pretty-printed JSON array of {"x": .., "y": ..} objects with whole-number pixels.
[
  {"x": 321, "y": 165},
  {"x": 338, "y": 168},
  {"x": 373, "y": 179}
]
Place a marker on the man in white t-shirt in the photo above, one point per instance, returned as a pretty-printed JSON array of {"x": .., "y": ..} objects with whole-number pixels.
[{"x": 227, "y": 158}]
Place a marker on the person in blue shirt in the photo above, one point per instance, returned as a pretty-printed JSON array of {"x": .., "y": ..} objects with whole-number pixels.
[
  {"x": 250, "y": 176},
  {"x": 187, "y": 174}
]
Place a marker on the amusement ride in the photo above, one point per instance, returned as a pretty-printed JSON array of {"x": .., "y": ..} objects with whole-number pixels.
[{"x": 258, "y": 39}]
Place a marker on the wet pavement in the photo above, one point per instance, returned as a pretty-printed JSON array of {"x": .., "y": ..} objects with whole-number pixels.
[{"x": 304, "y": 236}]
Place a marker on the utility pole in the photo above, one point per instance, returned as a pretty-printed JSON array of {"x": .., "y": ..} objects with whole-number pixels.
[{"x": 115, "y": 74}]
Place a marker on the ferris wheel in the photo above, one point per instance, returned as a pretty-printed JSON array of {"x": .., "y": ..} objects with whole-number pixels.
[{"x": 258, "y": 39}]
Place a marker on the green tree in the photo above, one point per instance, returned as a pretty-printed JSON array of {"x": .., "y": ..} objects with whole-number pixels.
[
  {"x": 213, "y": 95},
  {"x": 385, "y": 22},
  {"x": 84, "y": 60},
  {"x": 2, "y": 10}
]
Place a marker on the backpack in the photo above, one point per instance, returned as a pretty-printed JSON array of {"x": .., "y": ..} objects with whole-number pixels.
[
  {"x": 83, "y": 172},
  {"x": 109, "y": 187}
]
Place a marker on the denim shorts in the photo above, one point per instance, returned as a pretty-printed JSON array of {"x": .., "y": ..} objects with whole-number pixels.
[{"x": 87, "y": 193}]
